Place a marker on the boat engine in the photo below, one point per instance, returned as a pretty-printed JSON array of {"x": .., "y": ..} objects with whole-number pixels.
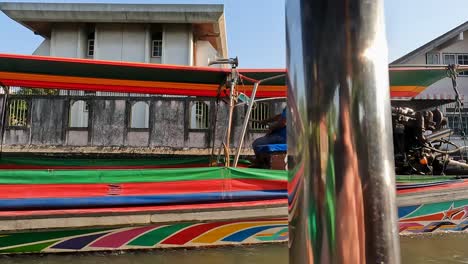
[{"x": 418, "y": 137}]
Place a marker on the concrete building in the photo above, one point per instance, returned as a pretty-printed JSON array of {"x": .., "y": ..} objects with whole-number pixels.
[
  {"x": 103, "y": 122},
  {"x": 449, "y": 48},
  {"x": 151, "y": 33}
]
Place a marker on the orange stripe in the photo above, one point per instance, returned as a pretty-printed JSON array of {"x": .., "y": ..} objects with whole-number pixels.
[{"x": 409, "y": 88}]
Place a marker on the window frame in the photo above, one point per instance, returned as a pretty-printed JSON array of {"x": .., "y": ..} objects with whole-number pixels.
[
  {"x": 432, "y": 54},
  {"x": 130, "y": 105},
  {"x": 456, "y": 59},
  {"x": 207, "y": 116},
  {"x": 90, "y": 51},
  {"x": 28, "y": 114},
  {"x": 263, "y": 128},
  {"x": 157, "y": 38},
  {"x": 88, "y": 110}
]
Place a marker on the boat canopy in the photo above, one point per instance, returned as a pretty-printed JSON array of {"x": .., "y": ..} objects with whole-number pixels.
[
  {"x": 111, "y": 76},
  {"x": 406, "y": 82}
]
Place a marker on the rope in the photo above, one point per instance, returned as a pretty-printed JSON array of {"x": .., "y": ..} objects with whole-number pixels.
[
  {"x": 453, "y": 74},
  {"x": 447, "y": 152}
]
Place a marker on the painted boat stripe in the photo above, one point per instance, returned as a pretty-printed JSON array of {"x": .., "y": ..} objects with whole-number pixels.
[
  {"x": 148, "y": 208},
  {"x": 30, "y": 248},
  {"x": 78, "y": 243},
  {"x": 32, "y": 237},
  {"x": 22, "y": 191},
  {"x": 116, "y": 240},
  {"x": 246, "y": 233},
  {"x": 154, "y": 237},
  {"x": 51, "y": 203},
  {"x": 192, "y": 232},
  {"x": 221, "y": 232}
]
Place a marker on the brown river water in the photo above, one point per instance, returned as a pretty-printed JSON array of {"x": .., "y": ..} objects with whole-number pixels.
[{"x": 448, "y": 249}]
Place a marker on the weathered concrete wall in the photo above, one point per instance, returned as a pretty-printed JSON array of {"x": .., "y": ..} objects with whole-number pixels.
[
  {"x": 108, "y": 122},
  {"x": 168, "y": 132},
  {"x": 46, "y": 125},
  {"x": 168, "y": 124}
]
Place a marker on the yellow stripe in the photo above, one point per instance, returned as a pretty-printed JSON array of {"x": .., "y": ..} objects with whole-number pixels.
[
  {"x": 408, "y": 88},
  {"x": 223, "y": 231}
]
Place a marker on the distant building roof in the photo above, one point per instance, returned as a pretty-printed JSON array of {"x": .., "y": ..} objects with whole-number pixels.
[
  {"x": 39, "y": 16},
  {"x": 433, "y": 44}
]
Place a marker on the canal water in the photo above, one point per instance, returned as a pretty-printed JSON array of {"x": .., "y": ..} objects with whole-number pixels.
[{"x": 444, "y": 249}]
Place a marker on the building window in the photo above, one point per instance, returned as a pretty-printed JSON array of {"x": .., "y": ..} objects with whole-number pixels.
[
  {"x": 79, "y": 114},
  {"x": 457, "y": 126},
  {"x": 199, "y": 115},
  {"x": 90, "y": 50},
  {"x": 261, "y": 112},
  {"x": 432, "y": 58},
  {"x": 18, "y": 113},
  {"x": 156, "y": 45},
  {"x": 139, "y": 116},
  {"x": 459, "y": 58}
]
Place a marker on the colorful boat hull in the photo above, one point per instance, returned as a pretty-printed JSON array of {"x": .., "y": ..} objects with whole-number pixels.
[{"x": 426, "y": 205}]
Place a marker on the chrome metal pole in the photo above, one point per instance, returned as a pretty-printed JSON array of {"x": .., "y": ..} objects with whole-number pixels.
[
  {"x": 247, "y": 116},
  {"x": 340, "y": 152},
  {"x": 246, "y": 123}
]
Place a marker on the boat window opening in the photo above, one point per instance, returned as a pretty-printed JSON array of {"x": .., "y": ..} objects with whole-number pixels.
[
  {"x": 139, "y": 115},
  {"x": 457, "y": 58},
  {"x": 90, "y": 49},
  {"x": 432, "y": 58},
  {"x": 18, "y": 113},
  {"x": 79, "y": 114},
  {"x": 261, "y": 112},
  {"x": 156, "y": 45},
  {"x": 199, "y": 115}
]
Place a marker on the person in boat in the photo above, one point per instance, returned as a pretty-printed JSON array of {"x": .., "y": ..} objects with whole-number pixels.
[{"x": 276, "y": 135}]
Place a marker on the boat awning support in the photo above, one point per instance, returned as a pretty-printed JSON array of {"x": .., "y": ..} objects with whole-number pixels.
[
  {"x": 4, "y": 116},
  {"x": 247, "y": 115}
]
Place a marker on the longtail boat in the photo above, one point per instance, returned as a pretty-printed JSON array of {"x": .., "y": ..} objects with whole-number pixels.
[{"x": 52, "y": 205}]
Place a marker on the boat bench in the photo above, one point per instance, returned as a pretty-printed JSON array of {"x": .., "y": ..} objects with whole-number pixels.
[{"x": 274, "y": 155}]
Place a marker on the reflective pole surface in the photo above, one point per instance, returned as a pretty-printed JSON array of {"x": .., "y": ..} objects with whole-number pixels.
[{"x": 341, "y": 172}]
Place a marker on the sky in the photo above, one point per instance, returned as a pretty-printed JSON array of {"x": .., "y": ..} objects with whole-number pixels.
[{"x": 256, "y": 28}]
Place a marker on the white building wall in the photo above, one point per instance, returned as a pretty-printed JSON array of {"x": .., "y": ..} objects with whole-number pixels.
[
  {"x": 204, "y": 52},
  {"x": 120, "y": 42},
  {"x": 133, "y": 43},
  {"x": 176, "y": 48},
  {"x": 457, "y": 46},
  {"x": 421, "y": 59},
  {"x": 64, "y": 41},
  {"x": 43, "y": 49}
]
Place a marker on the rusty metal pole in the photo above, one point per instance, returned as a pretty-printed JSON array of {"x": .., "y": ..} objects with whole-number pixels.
[{"x": 341, "y": 172}]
